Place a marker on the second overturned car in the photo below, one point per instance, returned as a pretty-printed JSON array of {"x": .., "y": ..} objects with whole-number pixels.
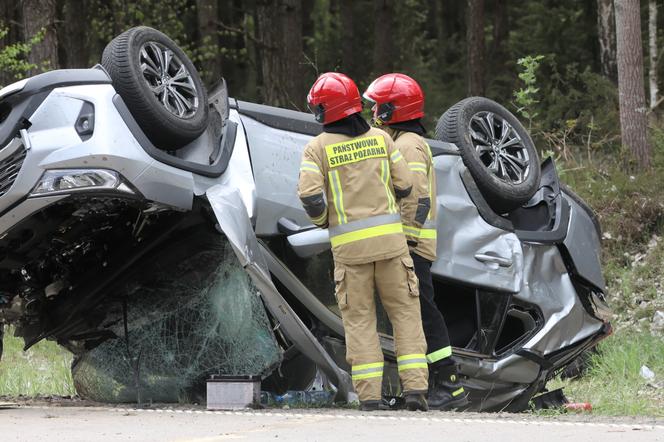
[{"x": 155, "y": 232}]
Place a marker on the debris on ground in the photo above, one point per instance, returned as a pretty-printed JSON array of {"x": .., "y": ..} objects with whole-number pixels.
[
  {"x": 578, "y": 406},
  {"x": 647, "y": 373},
  {"x": 295, "y": 398},
  {"x": 658, "y": 321}
]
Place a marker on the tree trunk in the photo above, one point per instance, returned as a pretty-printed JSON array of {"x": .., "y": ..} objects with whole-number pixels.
[
  {"x": 280, "y": 33},
  {"x": 475, "y": 39},
  {"x": 308, "y": 25},
  {"x": 498, "y": 57},
  {"x": 432, "y": 19},
  {"x": 347, "y": 13},
  {"x": 74, "y": 41},
  {"x": 606, "y": 33},
  {"x": 40, "y": 15},
  {"x": 10, "y": 15},
  {"x": 257, "y": 50},
  {"x": 208, "y": 12},
  {"x": 10, "y": 12},
  {"x": 383, "y": 40},
  {"x": 652, "y": 46},
  {"x": 633, "y": 117},
  {"x": 309, "y": 69},
  {"x": 500, "y": 29}
]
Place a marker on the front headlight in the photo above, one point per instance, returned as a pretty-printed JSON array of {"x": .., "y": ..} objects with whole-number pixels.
[{"x": 69, "y": 180}]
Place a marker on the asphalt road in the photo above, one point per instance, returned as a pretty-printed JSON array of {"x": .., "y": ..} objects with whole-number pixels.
[{"x": 55, "y": 424}]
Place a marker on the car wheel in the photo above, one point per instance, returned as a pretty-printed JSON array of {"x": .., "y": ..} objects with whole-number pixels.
[
  {"x": 496, "y": 149},
  {"x": 159, "y": 85}
]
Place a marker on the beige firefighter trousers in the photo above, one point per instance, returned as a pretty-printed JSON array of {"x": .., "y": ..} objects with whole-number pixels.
[{"x": 397, "y": 286}]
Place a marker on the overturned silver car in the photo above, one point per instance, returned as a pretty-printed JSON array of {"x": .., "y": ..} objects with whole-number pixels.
[{"x": 154, "y": 230}]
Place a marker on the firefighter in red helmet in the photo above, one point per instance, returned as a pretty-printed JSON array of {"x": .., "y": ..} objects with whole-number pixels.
[
  {"x": 351, "y": 179},
  {"x": 398, "y": 107}
]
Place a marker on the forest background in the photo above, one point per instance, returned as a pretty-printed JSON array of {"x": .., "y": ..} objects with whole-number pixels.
[{"x": 554, "y": 63}]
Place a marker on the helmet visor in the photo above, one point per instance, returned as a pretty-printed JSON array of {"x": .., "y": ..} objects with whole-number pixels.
[{"x": 318, "y": 110}]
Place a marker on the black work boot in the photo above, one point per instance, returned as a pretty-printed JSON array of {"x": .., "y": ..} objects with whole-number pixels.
[
  {"x": 445, "y": 390},
  {"x": 415, "y": 402}
]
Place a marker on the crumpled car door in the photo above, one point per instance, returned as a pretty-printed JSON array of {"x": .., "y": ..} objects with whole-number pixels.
[{"x": 470, "y": 250}]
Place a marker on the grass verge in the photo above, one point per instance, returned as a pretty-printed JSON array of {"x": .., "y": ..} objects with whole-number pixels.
[
  {"x": 42, "y": 370},
  {"x": 613, "y": 384}
]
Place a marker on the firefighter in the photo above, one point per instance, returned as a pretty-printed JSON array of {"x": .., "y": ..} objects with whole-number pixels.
[
  {"x": 398, "y": 107},
  {"x": 351, "y": 179}
]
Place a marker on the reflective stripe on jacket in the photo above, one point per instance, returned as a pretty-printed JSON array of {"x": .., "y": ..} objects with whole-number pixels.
[
  {"x": 353, "y": 185},
  {"x": 419, "y": 208}
]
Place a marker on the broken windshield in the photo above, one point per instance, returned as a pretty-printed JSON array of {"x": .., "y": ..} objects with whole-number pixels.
[{"x": 192, "y": 311}]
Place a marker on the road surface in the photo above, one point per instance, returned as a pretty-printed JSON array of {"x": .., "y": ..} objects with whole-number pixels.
[{"x": 72, "y": 423}]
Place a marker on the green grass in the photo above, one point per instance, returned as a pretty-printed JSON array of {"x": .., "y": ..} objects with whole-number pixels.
[
  {"x": 42, "y": 370},
  {"x": 613, "y": 385}
]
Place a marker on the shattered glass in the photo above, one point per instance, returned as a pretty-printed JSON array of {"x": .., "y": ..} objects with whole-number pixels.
[{"x": 192, "y": 311}]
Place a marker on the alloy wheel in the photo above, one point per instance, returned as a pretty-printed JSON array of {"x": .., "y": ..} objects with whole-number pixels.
[
  {"x": 169, "y": 79},
  {"x": 499, "y": 147}
]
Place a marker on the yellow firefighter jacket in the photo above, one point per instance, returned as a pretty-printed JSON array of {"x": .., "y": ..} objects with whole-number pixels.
[
  {"x": 352, "y": 186},
  {"x": 420, "y": 228}
]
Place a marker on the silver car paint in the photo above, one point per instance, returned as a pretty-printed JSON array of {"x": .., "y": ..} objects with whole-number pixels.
[
  {"x": 565, "y": 322},
  {"x": 56, "y": 145},
  {"x": 238, "y": 174},
  {"x": 275, "y": 156},
  {"x": 112, "y": 146},
  {"x": 583, "y": 244},
  {"x": 462, "y": 234},
  {"x": 565, "y": 319}
]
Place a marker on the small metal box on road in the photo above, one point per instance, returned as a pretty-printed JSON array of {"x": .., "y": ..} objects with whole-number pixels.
[{"x": 226, "y": 392}]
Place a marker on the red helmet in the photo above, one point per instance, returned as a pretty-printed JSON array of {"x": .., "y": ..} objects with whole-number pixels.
[
  {"x": 397, "y": 97},
  {"x": 334, "y": 96}
]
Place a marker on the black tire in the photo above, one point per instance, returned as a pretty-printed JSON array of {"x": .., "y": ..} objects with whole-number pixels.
[
  {"x": 517, "y": 177},
  {"x": 180, "y": 113}
]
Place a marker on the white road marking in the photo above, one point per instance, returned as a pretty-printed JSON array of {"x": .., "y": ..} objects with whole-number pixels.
[
  {"x": 445, "y": 420},
  {"x": 300, "y": 415}
]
